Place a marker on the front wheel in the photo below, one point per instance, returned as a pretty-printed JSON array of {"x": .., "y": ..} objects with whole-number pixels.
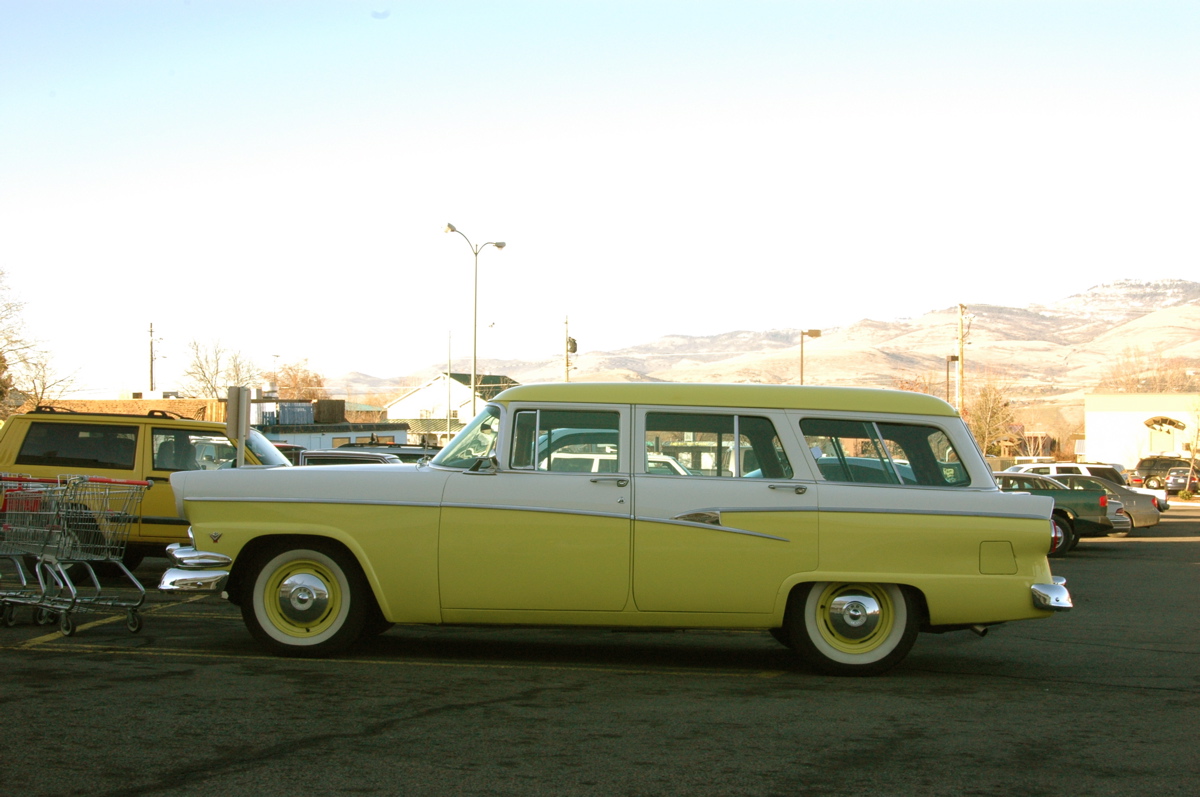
[
  {"x": 852, "y": 629},
  {"x": 306, "y": 598},
  {"x": 1154, "y": 483}
]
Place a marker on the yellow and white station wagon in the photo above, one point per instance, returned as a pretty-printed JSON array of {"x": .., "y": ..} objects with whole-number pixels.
[{"x": 841, "y": 520}]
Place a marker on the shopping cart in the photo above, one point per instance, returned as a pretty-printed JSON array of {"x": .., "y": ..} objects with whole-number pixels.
[
  {"x": 67, "y": 526},
  {"x": 27, "y": 506}
]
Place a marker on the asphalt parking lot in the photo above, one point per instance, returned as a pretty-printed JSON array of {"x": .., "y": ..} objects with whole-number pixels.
[{"x": 1100, "y": 700}]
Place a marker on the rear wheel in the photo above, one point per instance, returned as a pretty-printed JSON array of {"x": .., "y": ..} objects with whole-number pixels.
[
  {"x": 306, "y": 598},
  {"x": 852, "y": 628},
  {"x": 1154, "y": 483},
  {"x": 1069, "y": 538}
]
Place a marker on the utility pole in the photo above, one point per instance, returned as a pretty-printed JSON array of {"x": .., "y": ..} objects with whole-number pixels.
[
  {"x": 569, "y": 348},
  {"x": 958, "y": 393},
  {"x": 152, "y": 357}
]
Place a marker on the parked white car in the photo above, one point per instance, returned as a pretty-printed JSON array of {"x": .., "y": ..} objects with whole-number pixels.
[{"x": 1114, "y": 473}]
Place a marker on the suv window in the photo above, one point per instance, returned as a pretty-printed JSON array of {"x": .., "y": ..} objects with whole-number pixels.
[
  {"x": 181, "y": 449},
  {"x": 79, "y": 445},
  {"x": 883, "y": 453},
  {"x": 703, "y": 445}
]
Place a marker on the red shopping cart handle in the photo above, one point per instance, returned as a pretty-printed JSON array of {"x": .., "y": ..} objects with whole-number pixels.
[
  {"x": 28, "y": 480},
  {"x": 130, "y": 482}
]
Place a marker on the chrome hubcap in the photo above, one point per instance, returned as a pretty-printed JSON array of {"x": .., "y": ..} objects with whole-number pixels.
[
  {"x": 854, "y": 616},
  {"x": 303, "y": 598}
]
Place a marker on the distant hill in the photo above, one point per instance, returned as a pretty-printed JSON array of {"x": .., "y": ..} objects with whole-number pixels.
[{"x": 1042, "y": 350}]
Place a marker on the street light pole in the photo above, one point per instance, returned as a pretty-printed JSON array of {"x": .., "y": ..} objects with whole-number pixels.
[
  {"x": 950, "y": 358},
  {"x": 807, "y": 333},
  {"x": 474, "y": 311}
]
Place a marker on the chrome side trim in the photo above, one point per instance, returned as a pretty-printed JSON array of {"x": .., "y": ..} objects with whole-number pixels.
[
  {"x": 709, "y": 527},
  {"x": 551, "y": 510},
  {"x": 356, "y": 501},
  {"x": 1052, "y": 597},
  {"x": 180, "y": 580},
  {"x": 861, "y": 510},
  {"x": 709, "y": 518}
]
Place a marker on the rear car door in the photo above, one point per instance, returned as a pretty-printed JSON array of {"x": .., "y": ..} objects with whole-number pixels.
[{"x": 729, "y": 522}]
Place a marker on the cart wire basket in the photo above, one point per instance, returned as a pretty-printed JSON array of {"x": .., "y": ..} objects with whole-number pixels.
[{"x": 68, "y": 525}]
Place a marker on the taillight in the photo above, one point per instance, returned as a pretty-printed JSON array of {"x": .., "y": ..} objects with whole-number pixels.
[
  {"x": 1136, "y": 480},
  {"x": 1103, "y": 501},
  {"x": 1056, "y": 537}
]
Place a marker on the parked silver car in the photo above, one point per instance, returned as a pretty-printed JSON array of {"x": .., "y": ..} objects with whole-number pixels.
[{"x": 1142, "y": 508}]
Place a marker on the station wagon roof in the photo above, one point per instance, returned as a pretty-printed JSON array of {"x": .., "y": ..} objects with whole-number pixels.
[{"x": 848, "y": 399}]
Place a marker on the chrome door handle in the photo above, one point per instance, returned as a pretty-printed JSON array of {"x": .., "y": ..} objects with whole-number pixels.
[
  {"x": 799, "y": 488},
  {"x": 621, "y": 482}
]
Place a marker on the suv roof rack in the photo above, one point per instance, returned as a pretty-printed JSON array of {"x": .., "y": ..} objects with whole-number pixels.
[{"x": 49, "y": 409}]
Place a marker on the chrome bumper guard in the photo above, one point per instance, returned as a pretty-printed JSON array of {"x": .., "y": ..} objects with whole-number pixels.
[
  {"x": 195, "y": 571},
  {"x": 1052, "y": 597}
]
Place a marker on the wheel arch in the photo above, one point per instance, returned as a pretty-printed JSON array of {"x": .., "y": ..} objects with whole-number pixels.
[
  {"x": 238, "y": 582},
  {"x": 803, "y": 583}
]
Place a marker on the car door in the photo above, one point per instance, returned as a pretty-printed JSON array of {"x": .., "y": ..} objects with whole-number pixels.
[
  {"x": 723, "y": 530},
  {"x": 540, "y": 532}
]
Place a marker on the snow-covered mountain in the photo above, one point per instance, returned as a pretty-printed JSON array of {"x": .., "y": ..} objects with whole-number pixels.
[{"x": 1061, "y": 347}]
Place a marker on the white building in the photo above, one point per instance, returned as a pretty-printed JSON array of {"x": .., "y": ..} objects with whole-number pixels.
[
  {"x": 445, "y": 398},
  {"x": 1124, "y": 427}
]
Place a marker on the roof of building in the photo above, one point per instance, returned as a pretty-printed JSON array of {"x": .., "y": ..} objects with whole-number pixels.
[
  {"x": 487, "y": 385},
  {"x": 431, "y": 425}
]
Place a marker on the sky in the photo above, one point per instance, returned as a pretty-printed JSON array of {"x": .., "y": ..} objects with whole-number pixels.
[{"x": 276, "y": 177}]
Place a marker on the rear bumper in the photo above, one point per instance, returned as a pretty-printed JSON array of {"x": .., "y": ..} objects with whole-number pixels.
[{"x": 1052, "y": 597}]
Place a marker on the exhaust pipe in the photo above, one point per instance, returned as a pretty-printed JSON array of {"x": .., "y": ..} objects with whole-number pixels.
[{"x": 981, "y": 630}]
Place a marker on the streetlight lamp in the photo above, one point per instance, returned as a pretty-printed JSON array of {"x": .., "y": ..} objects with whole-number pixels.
[
  {"x": 807, "y": 333},
  {"x": 474, "y": 312}
]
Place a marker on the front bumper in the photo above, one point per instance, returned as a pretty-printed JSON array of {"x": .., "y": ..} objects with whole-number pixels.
[
  {"x": 195, "y": 571},
  {"x": 1052, "y": 597}
]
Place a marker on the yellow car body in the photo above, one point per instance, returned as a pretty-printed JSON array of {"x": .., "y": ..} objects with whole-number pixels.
[{"x": 813, "y": 512}]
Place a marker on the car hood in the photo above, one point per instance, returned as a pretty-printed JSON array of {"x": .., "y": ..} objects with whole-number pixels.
[{"x": 374, "y": 483}]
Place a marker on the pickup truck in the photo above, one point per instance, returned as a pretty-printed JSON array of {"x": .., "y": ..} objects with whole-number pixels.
[
  {"x": 1078, "y": 513},
  {"x": 53, "y": 443}
]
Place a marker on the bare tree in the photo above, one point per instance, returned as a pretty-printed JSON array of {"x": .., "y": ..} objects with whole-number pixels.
[
  {"x": 1135, "y": 371},
  {"x": 14, "y": 347},
  {"x": 41, "y": 383},
  {"x": 990, "y": 417},
  {"x": 296, "y": 382},
  {"x": 920, "y": 383},
  {"x": 214, "y": 368}
]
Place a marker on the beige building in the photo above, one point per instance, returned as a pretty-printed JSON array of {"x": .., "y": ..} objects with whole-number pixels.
[{"x": 1124, "y": 427}]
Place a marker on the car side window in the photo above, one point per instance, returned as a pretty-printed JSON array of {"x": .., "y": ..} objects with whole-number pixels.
[
  {"x": 566, "y": 441},
  {"x": 183, "y": 449},
  {"x": 868, "y": 452},
  {"x": 79, "y": 445},
  {"x": 703, "y": 444}
]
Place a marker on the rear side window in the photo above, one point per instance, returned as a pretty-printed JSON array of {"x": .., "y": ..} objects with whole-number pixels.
[
  {"x": 866, "y": 452},
  {"x": 79, "y": 445},
  {"x": 702, "y": 444}
]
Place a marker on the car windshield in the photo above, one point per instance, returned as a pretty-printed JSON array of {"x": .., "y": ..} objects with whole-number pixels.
[
  {"x": 265, "y": 451},
  {"x": 476, "y": 441}
]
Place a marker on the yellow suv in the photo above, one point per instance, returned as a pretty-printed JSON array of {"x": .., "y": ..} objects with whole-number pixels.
[{"x": 52, "y": 443}]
